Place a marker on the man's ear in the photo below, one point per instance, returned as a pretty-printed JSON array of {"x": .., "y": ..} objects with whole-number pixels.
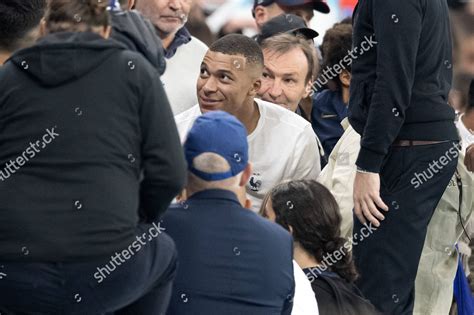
[
  {"x": 291, "y": 229},
  {"x": 256, "y": 85},
  {"x": 246, "y": 175},
  {"x": 345, "y": 78},
  {"x": 248, "y": 204},
  {"x": 260, "y": 15},
  {"x": 308, "y": 88},
  {"x": 130, "y": 4}
]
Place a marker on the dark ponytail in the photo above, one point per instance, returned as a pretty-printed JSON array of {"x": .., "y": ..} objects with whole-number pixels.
[
  {"x": 313, "y": 214},
  {"x": 76, "y": 15}
]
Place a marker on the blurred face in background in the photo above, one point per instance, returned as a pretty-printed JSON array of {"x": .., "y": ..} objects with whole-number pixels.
[
  {"x": 168, "y": 16},
  {"x": 264, "y": 13},
  {"x": 284, "y": 79},
  {"x": 303, "y": 11}
]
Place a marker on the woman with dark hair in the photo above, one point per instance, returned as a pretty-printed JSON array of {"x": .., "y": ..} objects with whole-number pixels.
[
  {"x": 310, "y": 213},
  {"x": 87, "y": 143}
]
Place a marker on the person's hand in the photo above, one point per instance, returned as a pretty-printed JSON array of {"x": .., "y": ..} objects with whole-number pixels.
[
  {"x": 367, "y": 198},
  {"x": 469, "y": 158}
]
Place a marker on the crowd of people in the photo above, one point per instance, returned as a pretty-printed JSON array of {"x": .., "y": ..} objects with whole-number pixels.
[{"x": 144, "y": 171}]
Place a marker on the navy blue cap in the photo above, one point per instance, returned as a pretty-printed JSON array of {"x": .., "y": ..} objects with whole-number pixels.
[
  {"x": 318, "y": 5},
  {"x": 285, "y": 23},
  {"x": 220, "y": 133}
]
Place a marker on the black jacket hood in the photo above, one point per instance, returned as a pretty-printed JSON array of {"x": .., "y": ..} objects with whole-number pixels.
[
  {"x": 138, "y": 34},
  {"x": 60, "y": 58}
]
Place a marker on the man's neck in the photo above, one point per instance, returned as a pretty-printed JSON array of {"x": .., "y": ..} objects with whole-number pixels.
[
  {"x": 3, "y": 57},
  {"x": 190, "y": 191},
  {"x": 249, "y": 116},
  {"x": 303, "y": 258},
  {"x": 166, "y": 39}
]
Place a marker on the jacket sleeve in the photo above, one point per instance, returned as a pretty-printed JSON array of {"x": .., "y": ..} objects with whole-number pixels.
[
  {"x": 338, "y": 176},
  {"x": 163, "y": 163},
  {"x": 397, "y": 27}
]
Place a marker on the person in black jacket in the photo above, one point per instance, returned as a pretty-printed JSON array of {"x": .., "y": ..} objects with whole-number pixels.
[
  {"x": 87, "y": 141},
  {"x": 401, "y": 76}
]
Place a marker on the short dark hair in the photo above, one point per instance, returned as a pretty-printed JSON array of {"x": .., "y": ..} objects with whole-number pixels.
[
  {"x": 337, "y": 42},
  {"x": 17, "y": 19},
  {"x": 236, "y": 44},
  {"x": 283, "y": 43},
  {"x": 76, "y": 16},
  {"x": 311, "y": 211}
]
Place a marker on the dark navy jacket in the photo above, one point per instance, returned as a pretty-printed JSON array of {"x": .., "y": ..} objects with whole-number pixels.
[
  {"x": 231, "y": 261},
  {"x": 401, "y": 76},
  {"x": 328, "y": 112}
]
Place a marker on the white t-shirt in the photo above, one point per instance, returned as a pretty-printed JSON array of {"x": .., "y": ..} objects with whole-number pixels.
[
  {"x": 283, "y": 146},
  {"x": 467, "y": 137},
  {"x": 181, "y": 74},
  {"x": 304, "y": 301}
]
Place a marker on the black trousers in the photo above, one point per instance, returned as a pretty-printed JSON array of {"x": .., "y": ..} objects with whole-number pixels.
[
  {"x": 412, "y": 181},
  {"x": 141, "y": 285}
]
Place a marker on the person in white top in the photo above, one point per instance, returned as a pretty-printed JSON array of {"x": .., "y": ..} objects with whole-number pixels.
[
  {"x": 282, "y": 145},
  {"x": 183, "y": 52}
]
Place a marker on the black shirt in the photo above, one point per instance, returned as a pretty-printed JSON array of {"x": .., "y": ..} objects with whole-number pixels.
[
  {"x": 337, "y": 296},
  {"x": 401, "y": 75}
]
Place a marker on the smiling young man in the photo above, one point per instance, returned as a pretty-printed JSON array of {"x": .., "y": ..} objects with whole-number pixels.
[{"x": 282, "y": 145}]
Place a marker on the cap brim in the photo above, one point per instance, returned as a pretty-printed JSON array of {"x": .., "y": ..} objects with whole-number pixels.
[
  {"x": 263, "y": 3},
  {"x": 306, "y": 32},
  {"x": 321, "y": 7}
]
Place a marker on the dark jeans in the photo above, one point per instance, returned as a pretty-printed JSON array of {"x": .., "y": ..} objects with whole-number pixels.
[
  {"x": 388, "y": 259},
  {"x": 139, "y": 285}
]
